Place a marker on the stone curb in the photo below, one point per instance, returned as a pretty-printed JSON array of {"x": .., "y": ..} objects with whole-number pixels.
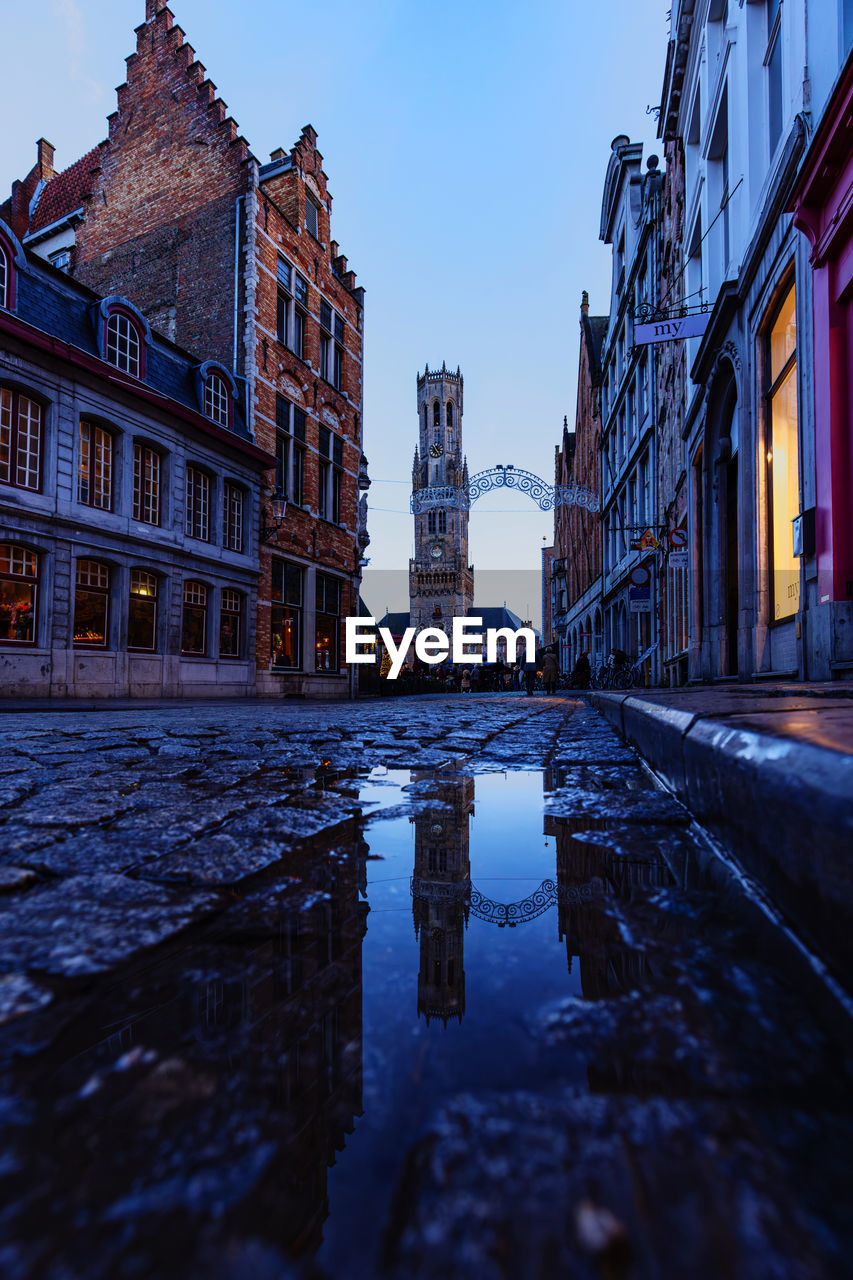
[{"x": 782, "y": 807}]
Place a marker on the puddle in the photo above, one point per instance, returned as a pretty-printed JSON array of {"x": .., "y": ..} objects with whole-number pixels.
[{"x": 455, "y": 1022}]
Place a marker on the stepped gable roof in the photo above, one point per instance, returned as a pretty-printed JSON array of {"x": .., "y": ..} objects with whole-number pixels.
[{"x": 65, "y": 193}]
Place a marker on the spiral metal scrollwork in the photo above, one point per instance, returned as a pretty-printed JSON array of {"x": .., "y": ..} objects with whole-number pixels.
[
  {"x": 544, "y": 495},
  {"x": 504, "y": 913}
]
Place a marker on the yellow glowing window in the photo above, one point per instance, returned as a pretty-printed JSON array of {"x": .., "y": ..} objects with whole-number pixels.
[{"x": 783, "y": 459}]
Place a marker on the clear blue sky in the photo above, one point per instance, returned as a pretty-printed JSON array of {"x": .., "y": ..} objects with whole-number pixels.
[{"x": 466, "y": 145}]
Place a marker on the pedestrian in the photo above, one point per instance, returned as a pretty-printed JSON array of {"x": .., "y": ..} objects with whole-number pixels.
[
  {"x": 530, "y": 677},
  {"x": 466, "y": 679},
  {"x": 475, "y": 680},
  {"x": 550, "y": 671},
  {"x": 581, "y": 672}
]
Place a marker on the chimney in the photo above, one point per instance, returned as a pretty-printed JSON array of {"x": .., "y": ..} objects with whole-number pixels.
[
  {"x": 152, "y": 8},
  {"x": 584, "y": 303},
  {"x": 44, "y": 162},
  {"x": 278, "y": 154}
]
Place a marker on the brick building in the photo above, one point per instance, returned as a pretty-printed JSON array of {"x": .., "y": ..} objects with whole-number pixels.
[
  {"x": 576, "y": 614},
  {"x": 233, "y": 259},
  {"x": 128, "y": 516},
  {"x": 671, "y": 380}
]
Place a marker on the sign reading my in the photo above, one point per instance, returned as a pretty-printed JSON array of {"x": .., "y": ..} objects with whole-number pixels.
[{"x": 671, "y": 330}]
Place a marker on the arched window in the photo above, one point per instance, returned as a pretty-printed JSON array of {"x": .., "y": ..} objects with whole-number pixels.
[
  {"x": 19, "y": 577},
  {"x": 431, "y": 522},
  {"x": 5, "y": 277},
  {"x": 142, "y": 611},
  {"x": 91, "y": 605},
  {"x": 20, "y": 440},
  {"x": 230, "y": 623},
  {"x": 194, "y": 628},
  {"x": 449, "y": 415},
  {"x": 442, "y": 521},
  {"x": 436, "y": 414},
  {"x": 426, "y": 417},
  {"x": 123, "y": 344},
  {"x": 217, "y": 400}
]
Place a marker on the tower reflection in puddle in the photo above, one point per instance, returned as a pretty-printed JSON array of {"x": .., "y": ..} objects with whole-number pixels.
[
  {"x": 441, "y": 891},
  {"x": 591, "y": 878}
]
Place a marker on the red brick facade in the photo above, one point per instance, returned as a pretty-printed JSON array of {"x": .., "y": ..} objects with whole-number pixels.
[
  {"x": 671, "y": 376},
  {"x": 180, "y": 218},
  {"x": 577, "y": 535}
]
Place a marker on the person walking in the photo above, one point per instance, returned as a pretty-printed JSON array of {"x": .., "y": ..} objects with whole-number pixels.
[
  {"x": 530, "y": 677},
  {"x": 550, "y": 671},
  {"x": 466, "y": 680}
]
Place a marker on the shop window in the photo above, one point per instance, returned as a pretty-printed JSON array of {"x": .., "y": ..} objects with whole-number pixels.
[
  {"x": 783, "y": 458},
  {"x": 146, "y": 484},
  {"x": 194, "y": 624},
  {"x": 91, "y": 605},
  {"x": 232, "y": 517},
  {"x": 142, "y": 611},
  {"x": 21, "y": 442},
  {"x": 217, "y": 400},
  {"x": 230, "y": 618},
  {"x": 19, "y": 582},
  {"x": 289, "y": 450},
  {"x": 198, "y": 504},
  {"x": 123, "y": 345},
  {"x": 94, "y": 466},
  {"x": 328, "y": 623},
  {"x": 286, "y": 615}
]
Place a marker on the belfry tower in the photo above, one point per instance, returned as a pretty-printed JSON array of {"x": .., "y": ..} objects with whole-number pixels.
[{"x": 441, "y": 581}]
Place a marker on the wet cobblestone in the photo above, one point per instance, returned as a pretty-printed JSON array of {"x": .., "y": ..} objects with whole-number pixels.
[{"x": 226, "y": 1051}]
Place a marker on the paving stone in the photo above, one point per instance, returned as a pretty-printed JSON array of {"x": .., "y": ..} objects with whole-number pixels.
[{"x": 89, "y": 923}]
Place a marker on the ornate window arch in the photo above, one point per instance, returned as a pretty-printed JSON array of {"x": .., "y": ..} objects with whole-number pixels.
[
  {"x": 449, "y": 415},
  {"x": 124, "y": 336},
  {"x": 12, "y": 261},
  {"x": 436, "y": 413},
  {"x": 216, "y": 388}
]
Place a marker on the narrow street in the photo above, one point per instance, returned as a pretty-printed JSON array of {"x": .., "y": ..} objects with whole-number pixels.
[{"x": 413, "y": 987}]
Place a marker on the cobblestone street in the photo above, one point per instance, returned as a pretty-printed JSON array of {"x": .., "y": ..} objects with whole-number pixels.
[{"x": 416, "y": 987}]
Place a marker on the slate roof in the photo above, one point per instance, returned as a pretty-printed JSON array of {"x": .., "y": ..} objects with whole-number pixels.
[
  {"x": 492, "y": 615},
  {"x": 64, "y": 308},
  {"x": 64, "y": 193}
]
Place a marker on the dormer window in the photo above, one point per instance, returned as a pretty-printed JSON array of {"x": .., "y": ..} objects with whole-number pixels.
[
  {"x": 122, "y": 345},
  {"x": 11, "y": 261},
  {"x": 217, "y": 400}
]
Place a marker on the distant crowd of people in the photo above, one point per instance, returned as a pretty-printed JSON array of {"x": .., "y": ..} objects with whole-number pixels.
[{"x": 502, "y": 677}]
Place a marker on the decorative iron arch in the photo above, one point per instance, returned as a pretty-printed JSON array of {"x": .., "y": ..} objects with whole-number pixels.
[
  {"x": 545, "y": 495},
  {"x": 504, "y": 913}
]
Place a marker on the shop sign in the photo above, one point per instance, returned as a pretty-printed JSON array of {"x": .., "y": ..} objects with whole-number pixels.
[{"x": 672, "y": 330}]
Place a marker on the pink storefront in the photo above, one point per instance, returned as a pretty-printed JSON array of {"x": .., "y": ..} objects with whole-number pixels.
[{"x": 822, "y": 205}]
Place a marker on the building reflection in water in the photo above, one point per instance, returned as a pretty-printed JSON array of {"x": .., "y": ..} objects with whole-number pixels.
[
  {"x": 441, "y": 891},
  {"x": 233, "y": 1064},
  {"x": 588, "y": 876}
]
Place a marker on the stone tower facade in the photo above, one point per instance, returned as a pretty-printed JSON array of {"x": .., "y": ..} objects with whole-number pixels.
[
  {"x": 441, "y": 893},
  {"x": 441, "y": 581}
]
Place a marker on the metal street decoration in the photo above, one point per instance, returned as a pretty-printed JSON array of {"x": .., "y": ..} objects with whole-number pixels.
[
  {"x": 546, "y": 496},
  {"x": 653, "y": 325},
  {"x": 504, "y": 913}
]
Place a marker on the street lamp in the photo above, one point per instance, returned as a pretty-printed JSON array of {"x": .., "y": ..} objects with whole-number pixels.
[{"x": 272, "y": 516}]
